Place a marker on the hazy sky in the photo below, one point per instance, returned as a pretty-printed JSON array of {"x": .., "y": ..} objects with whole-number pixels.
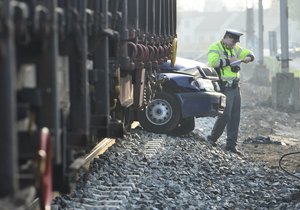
[{"x": 218, "y": 5}]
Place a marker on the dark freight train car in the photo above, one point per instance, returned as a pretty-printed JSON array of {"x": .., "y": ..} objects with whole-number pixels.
[{"x": 72, "y": 72}]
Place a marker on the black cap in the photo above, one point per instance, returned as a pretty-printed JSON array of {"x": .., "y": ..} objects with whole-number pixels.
[{"x": 234, "y": 34}]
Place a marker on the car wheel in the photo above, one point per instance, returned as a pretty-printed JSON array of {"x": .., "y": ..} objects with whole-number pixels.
[
  {"x": 184, "y": 126},
  {"x": 160, "y": 115}
]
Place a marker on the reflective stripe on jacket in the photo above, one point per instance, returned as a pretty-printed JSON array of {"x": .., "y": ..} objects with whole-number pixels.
[{"x": 217, "y": 59}]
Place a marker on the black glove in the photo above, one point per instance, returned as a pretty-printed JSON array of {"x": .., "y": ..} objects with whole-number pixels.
[{"x": 235, "y": 69}]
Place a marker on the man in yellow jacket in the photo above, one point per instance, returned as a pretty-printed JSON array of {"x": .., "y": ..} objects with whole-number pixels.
[{"x": 226, "y": 56}]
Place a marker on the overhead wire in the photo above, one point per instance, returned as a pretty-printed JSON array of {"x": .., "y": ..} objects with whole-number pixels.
[{"x": 280, "y": 166}]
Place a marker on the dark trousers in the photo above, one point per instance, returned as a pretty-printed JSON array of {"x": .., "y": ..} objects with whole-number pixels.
[{"x": 230, "y": 118}]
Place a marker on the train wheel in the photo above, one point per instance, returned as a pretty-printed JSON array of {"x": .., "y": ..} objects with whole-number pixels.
[
  {"x": 184, "y": 126},
  {"x": 161, "y": 115},
  {"x": 45, "y": 169}
]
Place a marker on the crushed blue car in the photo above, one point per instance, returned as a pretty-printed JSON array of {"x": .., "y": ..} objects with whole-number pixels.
[{"x": 187, "y": 90}]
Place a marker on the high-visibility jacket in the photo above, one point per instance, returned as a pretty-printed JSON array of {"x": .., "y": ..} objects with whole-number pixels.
[{"x": 218, "y": 55}]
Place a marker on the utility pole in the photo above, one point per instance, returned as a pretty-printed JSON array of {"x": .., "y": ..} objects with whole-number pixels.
[
  {"x": 260, "y": 34},
  {"x": 285, "y": 87},
  {"x": 284, "y": 32},
  {"x": 250, "y": 25},
  {"x": 263, "y": 77}
]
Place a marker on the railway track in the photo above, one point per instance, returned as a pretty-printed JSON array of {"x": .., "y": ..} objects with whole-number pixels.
[
  {"x": 151, "y": 171},
  {"x": 114, "y": 192},
  {"x": 99, "y": 149}
]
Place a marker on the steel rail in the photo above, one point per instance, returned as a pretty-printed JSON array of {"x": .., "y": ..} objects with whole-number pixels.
[{"x": 99, "y": 149}]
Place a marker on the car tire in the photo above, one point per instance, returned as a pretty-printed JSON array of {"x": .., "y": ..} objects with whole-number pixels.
[
  {"x": 184, "y": 126},
  {"x": 161, "y": 115}
]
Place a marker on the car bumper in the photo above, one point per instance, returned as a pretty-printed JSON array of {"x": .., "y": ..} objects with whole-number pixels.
[{"x": 201, "y": 104}]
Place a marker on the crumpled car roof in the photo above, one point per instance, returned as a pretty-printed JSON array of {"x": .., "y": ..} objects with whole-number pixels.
[{"x": 181, "y": 63}]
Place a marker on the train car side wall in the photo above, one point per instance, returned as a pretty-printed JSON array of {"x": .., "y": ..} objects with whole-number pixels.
[{"x": 72, "y": 73}]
